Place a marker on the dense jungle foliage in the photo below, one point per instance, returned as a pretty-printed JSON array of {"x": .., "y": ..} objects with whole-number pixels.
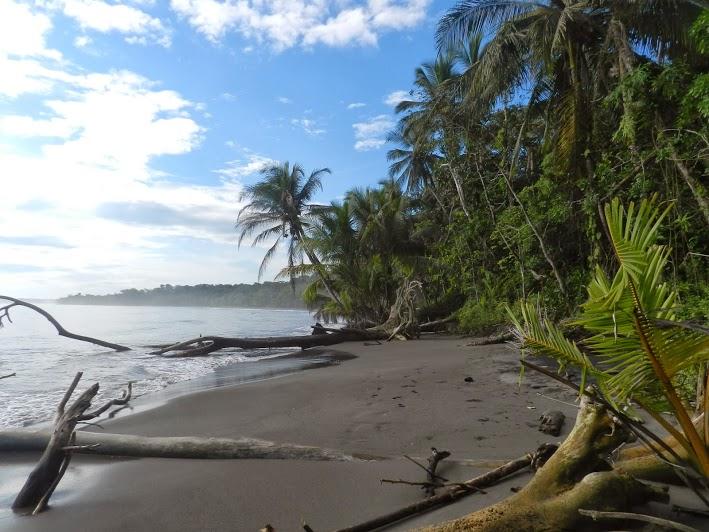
[{"x": 531, "y": 118}]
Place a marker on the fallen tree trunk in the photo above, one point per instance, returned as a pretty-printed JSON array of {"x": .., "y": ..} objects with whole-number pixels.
[
  {"x": 495, "y": 338},
  {"x": 99, "y": 443},
  {"x": 204, "y": 345},
  {"x": 5, "y": 313}
]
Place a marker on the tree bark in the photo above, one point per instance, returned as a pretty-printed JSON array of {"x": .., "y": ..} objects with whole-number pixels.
[{"x": 4, "y": 313}]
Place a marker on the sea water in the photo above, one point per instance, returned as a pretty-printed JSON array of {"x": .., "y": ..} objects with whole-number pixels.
[{"x": 46, "y": 363}]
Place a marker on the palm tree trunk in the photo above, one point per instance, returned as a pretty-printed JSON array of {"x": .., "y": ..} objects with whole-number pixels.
[
  {"x": 312, "y": 257},
  {"x": 459, "y": 189}
]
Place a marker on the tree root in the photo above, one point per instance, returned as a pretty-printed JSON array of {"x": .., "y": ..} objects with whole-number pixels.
[{"x": 576, "y": 476}]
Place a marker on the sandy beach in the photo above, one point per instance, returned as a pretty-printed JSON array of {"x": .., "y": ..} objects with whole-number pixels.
[{"x": 392, "y": 399}]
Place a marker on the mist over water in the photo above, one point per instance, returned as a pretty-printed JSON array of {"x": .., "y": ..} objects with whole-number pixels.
[{"x": 46, "y": 363}]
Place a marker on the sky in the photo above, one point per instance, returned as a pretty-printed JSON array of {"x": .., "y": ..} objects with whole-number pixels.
[{"x": 128, "y": 128}]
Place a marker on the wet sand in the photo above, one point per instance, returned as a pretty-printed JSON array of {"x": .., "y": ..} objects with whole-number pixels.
[{"x": 392, "y": 399}]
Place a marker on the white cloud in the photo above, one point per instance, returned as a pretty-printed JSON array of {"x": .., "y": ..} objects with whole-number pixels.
[
  {"x": 284, "y": 100},
  {"x": 356, "y": 105},
  {"x": 252, "y": 164},
  {"x": 23, "y": 31},
  {"x": 287, "y": 23},
  {"x": 393, "y": 98},
  {"x": 349, "y": 26},
  {"x": 138, "y": 26},
  {"x": 308, "y": 125},
  {"x": 82, "y": 41},
  {"x": 370, "y": 135}
]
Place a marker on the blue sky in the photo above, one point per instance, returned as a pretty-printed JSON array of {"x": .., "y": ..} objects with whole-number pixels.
[{"x": 129, "y": 127}]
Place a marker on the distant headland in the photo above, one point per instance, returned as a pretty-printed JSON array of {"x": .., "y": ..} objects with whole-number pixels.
[{"x": 257, "y": 295}]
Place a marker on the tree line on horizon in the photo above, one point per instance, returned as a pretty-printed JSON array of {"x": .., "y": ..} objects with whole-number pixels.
[
  {"x": 258, "y": 295},
  {"x": 529, "y": 120}
]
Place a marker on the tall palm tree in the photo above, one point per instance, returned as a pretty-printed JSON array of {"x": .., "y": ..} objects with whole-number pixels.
[{"x": 279, "y": 206}]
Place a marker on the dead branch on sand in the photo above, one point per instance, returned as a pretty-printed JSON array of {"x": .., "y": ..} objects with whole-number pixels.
[
  {"x": 5, "y": 314},
  {"x": 45, "y": 476}
]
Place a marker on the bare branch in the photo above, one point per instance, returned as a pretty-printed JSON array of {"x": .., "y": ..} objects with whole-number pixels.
[
  {"x": 664, "y": 523},
  {"x": 123, "y": 401},
  {"x": 60, "y": 330}
]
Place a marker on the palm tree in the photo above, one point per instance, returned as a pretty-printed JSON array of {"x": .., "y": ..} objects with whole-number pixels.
[
  {"x": 563, "y": 52},
  {"x": 279, "y": 206}
]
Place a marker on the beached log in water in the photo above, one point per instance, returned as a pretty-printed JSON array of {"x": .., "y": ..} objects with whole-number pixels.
[
  {"x": 59, "y": 444},
  {"x": 8, "y": 376},
  {"x": 204, "y": 345},
  {"x": 99, "y": 443},
  {"x": 5, "y": 314}
]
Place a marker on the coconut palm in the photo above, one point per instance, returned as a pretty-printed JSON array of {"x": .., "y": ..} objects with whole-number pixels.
[
  {"x": 562, "y": 52},
  {"x": 279, "y": 206}
]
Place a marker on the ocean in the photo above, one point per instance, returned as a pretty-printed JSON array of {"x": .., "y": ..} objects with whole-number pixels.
[{"x": 46, "y": 363}]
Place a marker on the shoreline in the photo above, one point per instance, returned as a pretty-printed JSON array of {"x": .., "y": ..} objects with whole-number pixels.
[{"x": 392, "y": 399}]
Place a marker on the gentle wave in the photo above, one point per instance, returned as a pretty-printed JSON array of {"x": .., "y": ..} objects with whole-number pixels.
[{"x": 46, "y": 363}]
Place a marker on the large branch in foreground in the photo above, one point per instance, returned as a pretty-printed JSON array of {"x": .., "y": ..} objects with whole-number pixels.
[
  {"x": 57, "y": 446},
  {"x": 5, "y": 314},
  {"x": 204, "y": 345},
  {"x": 174, "y": 447}
]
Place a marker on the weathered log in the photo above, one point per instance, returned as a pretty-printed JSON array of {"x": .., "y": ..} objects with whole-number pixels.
[
  {"x": 551, "y": 421},
  {"x": 99, "y": 443},
  {"x": 450, "y": 495},
  {"x": 59, "y": 443},
  {"x": 204, "y": 345},
  {"x": 499, "y": 337},
  {"x": 5, "y": 314},
  {"x": 437, "y": 325}
]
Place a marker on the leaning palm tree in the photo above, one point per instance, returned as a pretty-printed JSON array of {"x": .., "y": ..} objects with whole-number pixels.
[{"x": 279, "y": 207}]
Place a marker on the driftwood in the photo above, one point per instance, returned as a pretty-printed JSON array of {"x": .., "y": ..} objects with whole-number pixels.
[
  {"x": 8, "y": 376},
  {"x": 627, "y": 516},
  {"x": 437, "y": 325},
  {"x": 5, "y": 314},
  {"x": 204, "y": 345},
  {"x": 60, "y": 443},
  {"x": 99, "y": 443},
  {"x": 551, "y": 421},
  {"x": 451, "y": 495},
  {"x": 499, "y": 337}
]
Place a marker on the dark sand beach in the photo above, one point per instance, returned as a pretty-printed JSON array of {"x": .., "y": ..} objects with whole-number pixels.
[{"x": 392, "y": 399}]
